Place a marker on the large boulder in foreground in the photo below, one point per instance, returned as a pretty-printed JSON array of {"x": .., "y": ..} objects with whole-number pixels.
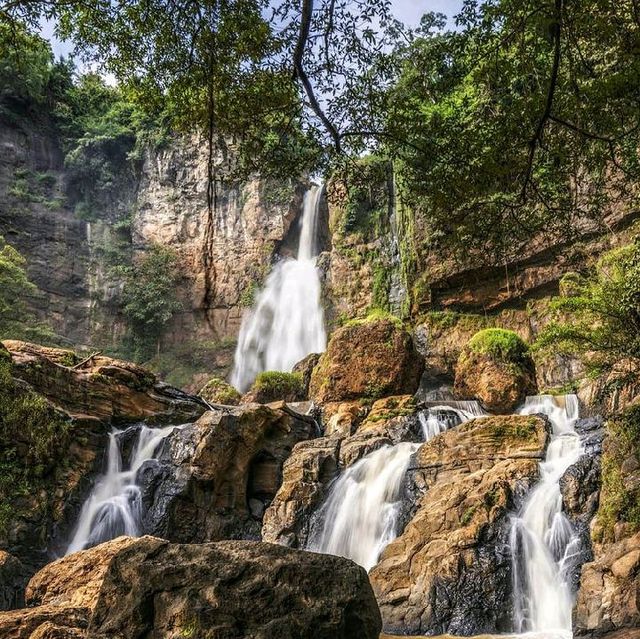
[
  {"x": 367, "y": 359},
  {"x": 148, "y": 587},
  {"x": 449, "y": 572},
  {"x": 495, "y": 368}
]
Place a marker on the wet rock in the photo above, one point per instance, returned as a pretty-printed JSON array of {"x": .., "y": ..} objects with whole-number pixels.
[
  {"x": 150, "y": 587},
  {"x": 217, "y": 391},
  {"x": 341, "y": 419},
  {"x": 367, "y": 359},
  {"x": 496, "y": 370},
  {"x": 450, "y": 569},
  {"x": 313, "y": 465},
  {"x": 102, "y": 388},
  {"x": 215, "y": 478},
  {"x": 275, "y": 386}
]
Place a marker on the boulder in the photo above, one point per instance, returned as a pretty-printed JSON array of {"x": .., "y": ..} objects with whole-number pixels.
[
  {"x": 305, "y": 368},
  {"x": 215, "y": 478},
  {"x": 217, "y": 391},
  {"x": 150, "y": 587},
  {"x": 367, "y": 359},
  {"x": 101, "y": 388},
  {"x": 450, "y": 569},
  {"x": 496, "y": 369}
]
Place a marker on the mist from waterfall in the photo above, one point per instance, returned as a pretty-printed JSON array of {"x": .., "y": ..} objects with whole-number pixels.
[
  {"x": 114, "y": 505},
  {"x": 360, "y": 515},
  {"x": 543, "y": 541},
  {"x": 287, "y": 321}
]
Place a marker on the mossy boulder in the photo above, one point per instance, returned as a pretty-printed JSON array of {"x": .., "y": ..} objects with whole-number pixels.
[
  {"x": 305, "y": 368},
  {"x": 367, "y": 359},
  {"x": 275, "y": 386},
  {"x": 217, "y": 391},
  {"x": 495, "y": 368}
]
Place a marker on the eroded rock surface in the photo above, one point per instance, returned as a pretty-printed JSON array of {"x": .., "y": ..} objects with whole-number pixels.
[
  {"x": 215, "y": 477},
  {"x": 450, "y": 569},
  {"x": 371, "y": 359},
  {"x": 150, "y": 587}
]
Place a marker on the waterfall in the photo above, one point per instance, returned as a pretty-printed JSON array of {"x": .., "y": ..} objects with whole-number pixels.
[
  {"x": 287, "y": 321},
  {"x": 113, "y": 507},
  {"x": 542, "y": 538},
  {"x": 360, "y": 515}
]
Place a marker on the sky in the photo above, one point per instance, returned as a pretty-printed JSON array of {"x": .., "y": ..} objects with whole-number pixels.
[{"x": 409, "y": 11}]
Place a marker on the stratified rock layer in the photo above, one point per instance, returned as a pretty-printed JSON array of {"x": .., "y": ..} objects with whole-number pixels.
[
  {"x": 450, "y": 569},
  {"x": 236, "y": 590}
]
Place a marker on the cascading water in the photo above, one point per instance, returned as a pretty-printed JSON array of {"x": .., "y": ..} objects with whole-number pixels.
[
  {"x": 287, "y": 321},
  {"x": 360, "y": 516},
  {"x": 542, "y": 538},
  {"x": 114, "y": 508}
]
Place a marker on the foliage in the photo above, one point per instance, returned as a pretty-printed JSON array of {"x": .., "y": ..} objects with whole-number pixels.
[
  {"x": 278, "y": 385},
  {"x": 217, "y": 391},
  {"x": 499, "y": 344},
  {"x": 376, "y": 315},
  {"x": 16, "y": 320},
  {"x": 620, "y": 494},
  {"x": 149, "y": 297},
  {"x": 600, "y": 318}
]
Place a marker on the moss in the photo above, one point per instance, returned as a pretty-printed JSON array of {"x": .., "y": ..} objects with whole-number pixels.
[
  {"x": 376, "y": 315},
  {"x": 217, "y": 391},
  {"x": 499, "y": 344},
  {"x": 620, "y": 495},
  {"x": 278, "y": 384},
  {"x": 248, "y": 296},
  {"x": 467, "y": 516}
]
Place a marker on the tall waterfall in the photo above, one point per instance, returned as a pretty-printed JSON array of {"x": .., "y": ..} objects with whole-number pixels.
[
  {"x": 287, "y": 320},
  {"x": 114, "y": 507},
  {"x": 542, "y": 538},
  {"x": 360, "y": 516}
]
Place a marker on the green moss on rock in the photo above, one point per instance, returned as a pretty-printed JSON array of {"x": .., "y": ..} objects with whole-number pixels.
[
  {"x": 271, "y": 386},
  {"x": 500, "y": 344},
  {"x": 217, "y": 391}
]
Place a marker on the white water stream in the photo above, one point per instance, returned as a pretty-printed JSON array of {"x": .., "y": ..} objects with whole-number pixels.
[
  {"x": 542, "y": 538},
  {"x": 360, "y": 515},
  {"x": 287, "y": 321},
  {"x": 113, "y": 508}
]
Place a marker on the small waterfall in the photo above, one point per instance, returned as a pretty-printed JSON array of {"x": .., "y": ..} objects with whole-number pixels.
[
  {"x": 542, "y": 538},
  {"x": 114, "y": 508},
  {"x": 360, "y": 515},
  {"x": 287, "y": 321}
]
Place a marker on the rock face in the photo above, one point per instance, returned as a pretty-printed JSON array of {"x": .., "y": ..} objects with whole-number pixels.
[
  {"x": 13, "y": 579},
  {"x": 609, "y": 595},
  {"x": 215, "y": 478},
  {"x": 103, "y": 388},
  {"x": 149, "y": 587},
  {"x": 367, "y": 359},
  {"x": 495, "y": 369},
  {"x": 450, "y": 569},
  {"x": 314, "y": 464}
]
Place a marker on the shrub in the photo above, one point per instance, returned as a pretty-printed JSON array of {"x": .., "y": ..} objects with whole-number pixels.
[
  {"x": 276, "y": 385},
  {"x": 217, "y": 391},
  {"x": 499, "y": 344},
  {"x": 620, "y": 496}
]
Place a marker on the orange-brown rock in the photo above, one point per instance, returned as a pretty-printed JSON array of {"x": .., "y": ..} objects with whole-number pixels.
[
  {"x": 102, "y": 388},
  {"x": 149, "y": 587},
  {"x": 499, "y": 385},
  {"x": 368, "y": 359},
  {"x": 449, "y": 570}
]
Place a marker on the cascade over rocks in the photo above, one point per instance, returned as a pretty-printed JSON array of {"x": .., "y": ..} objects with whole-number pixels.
[
  {"x": 312, "y": 466},
  {"x": 498, "y": 376},
  {"x": 369, "y": 358},
  {"x": 215, "y": 477},
  {"x": 150, "y": 587},
  {"x": 450, "y": 569}
]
